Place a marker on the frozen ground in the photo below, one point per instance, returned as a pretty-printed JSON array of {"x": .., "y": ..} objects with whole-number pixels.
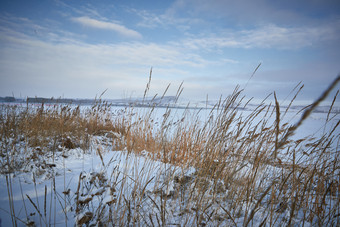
[
  {"x": 44, "y": 189},
  {"x": 88, "y": 186}
]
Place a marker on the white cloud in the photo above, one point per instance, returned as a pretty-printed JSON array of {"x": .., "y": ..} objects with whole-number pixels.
[
  {"x": 266, "y": 33},
  {"x": 267, "y": 36},
  {"x": 61, "y": 65},
  {"x": 148, "y": 19},
  {"x": 245, "y": 12},
  {"x": 273, "y": 36},
  {"x": 122, "y": 30},
  {"x": 166, "y": 19}
]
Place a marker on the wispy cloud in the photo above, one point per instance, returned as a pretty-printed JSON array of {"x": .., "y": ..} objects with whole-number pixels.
[
  {"x": 165, "y": 20},
  {"x": 267, "y": 33},
  {"x": 57, "y": 64},
  {"x": 274, "y": 36},
  {"x": 245, "y": 12},
  {"x": 267, "y": 36},
  {"x": 46, "y": 58},
  {"x": 120, "y": 29}
]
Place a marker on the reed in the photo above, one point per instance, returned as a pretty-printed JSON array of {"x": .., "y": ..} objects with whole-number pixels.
[{"x": 247, "y": 165}]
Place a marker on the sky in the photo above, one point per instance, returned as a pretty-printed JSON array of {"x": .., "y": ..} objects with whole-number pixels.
[{"x": 78, "y": 49}]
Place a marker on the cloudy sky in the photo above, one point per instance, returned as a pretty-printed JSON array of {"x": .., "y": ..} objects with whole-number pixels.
[{"x": 77, "y": 49}]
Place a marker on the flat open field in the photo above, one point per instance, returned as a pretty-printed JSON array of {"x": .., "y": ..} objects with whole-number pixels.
[{"x": 229, "y": 165}]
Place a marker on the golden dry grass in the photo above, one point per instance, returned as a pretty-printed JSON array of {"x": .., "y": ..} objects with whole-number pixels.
[{"x": 255, "y": 158}]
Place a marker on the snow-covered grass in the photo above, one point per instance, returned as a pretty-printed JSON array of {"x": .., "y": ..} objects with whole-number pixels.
[{"x": 68, "y": 165}]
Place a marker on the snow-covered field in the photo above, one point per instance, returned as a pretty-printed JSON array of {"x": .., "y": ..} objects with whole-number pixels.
[
  {"x": 100, "y": 186},
  {"x": 48, "y": 193}
]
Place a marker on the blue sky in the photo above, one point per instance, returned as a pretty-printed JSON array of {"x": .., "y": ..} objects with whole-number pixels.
[{"x": 77, "y": 49}]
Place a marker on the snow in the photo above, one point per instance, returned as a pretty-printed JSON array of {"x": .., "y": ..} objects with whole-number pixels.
[
  {"x": 76, "y": 187},
  {"x": 61, "y": 182}
]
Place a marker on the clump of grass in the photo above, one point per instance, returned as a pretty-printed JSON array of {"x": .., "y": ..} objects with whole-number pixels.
[
  {"x": 50, "y": 128},
  {"x": 255, "y": 157}
]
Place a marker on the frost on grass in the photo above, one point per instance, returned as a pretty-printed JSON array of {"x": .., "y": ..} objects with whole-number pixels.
[
  {"x": 233, "y": 167},
  {"x": 120, "y": 187}
]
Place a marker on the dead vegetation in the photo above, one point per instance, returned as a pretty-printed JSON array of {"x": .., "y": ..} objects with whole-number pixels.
[{"x": 245, "y": 164}]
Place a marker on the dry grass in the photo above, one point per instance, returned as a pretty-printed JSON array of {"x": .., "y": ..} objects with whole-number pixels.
[{"x": 245, "y": 164}]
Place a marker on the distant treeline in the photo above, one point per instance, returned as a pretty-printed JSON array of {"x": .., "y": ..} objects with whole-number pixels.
[
  {"x": 47, "y": 100},
  {"x": 59, "y": 100},
  {"x": 7, "y": 99},
  {"x": 160, "y": 102}
]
